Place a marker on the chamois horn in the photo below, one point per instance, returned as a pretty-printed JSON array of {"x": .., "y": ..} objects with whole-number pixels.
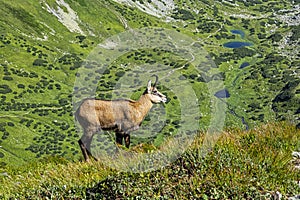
[{"x": 156, "y": 80}]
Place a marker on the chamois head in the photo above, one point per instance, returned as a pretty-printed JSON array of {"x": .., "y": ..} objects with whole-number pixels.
[{"x": 152, "y": 92}]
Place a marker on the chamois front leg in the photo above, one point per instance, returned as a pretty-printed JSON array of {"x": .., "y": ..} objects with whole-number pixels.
[
  {"x": 119, "y": 137},
  {"x": 127, "y": 135},
  {"x": 127, "y": 140}
]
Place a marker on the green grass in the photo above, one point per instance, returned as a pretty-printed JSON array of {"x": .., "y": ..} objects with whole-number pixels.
[
  {"x": 48, "y": 89},
  {"x": 39, "y": 104},
  {"x": 242, "y": 165}
]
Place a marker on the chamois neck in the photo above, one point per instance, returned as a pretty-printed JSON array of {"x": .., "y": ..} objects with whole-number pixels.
[
  {"x": 144, "y": 100},
  {"x": 144, "y": 103}
]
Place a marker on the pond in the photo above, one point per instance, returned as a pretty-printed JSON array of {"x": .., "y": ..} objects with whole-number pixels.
[
  {"x": 239, "y": 32},
  {"x": 237, "y": 44},
  {"x": 244, "y": 64},
  {"x": 222, "y": 94}
]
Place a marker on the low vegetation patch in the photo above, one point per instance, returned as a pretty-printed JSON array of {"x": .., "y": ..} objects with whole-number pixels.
[{"x": 243, "y": 164}]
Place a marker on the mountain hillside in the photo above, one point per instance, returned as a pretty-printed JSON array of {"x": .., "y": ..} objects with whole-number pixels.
[
  {"x": 250, "y": 47},
  {"x": 254, "y": 164}
]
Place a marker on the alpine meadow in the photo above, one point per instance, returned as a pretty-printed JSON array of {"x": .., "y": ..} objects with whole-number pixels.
[{"x": 227, "y": 125}]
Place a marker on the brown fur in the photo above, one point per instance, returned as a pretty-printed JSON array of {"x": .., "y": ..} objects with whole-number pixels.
[{"x": 121, "y": 116}]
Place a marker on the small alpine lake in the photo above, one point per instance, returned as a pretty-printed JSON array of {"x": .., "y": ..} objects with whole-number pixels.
[
  {"x": 236, "y": 44},
  {"x": 244, "y": 64},
  {"x": 239, "y": 32},
  {"x": 222, "y": 94}
]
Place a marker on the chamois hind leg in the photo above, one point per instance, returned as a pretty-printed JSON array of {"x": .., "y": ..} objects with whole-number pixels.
[
  {"x": 83, "y": 150},
  {"x": 85, "y": 145}
]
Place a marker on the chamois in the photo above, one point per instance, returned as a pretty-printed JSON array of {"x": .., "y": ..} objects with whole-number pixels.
[{"x": 121, "y": 116}]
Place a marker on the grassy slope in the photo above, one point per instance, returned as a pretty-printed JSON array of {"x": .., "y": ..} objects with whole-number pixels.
[
  {"x": 28, "y": 114},
  {"x": 20, "y": 51},
  {"x": 39, "y": 104},
  {"x": 249, "y": 164},
  {"x": 46, "y": 92}
]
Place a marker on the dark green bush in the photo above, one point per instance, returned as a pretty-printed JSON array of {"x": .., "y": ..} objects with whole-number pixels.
[
  {"x": 40, "y": 62},
  {"x": 7, "y": 78},
  {"x": 21, "y": 86},
  {"x": 4, "y": 89}
]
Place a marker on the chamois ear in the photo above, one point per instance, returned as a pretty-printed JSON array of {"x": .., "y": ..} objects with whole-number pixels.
[{"x": 149, "y": 86}]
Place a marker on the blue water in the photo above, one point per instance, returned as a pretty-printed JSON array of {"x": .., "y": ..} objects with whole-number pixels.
[
  {"x": 222, "y": 94},
  {"x": 237, "y": 44},
  {"x": 244, "y": 64},
  {"x": 239, "y": 32}
]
